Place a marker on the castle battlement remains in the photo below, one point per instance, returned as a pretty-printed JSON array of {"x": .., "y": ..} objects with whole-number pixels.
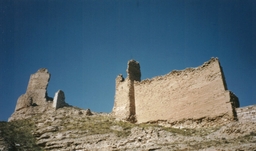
[
  {"x": 190, "y": 94},
  {"x": 36, "y": 99}
]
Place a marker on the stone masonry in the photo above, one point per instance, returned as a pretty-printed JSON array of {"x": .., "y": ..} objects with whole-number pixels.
[
  {"x": 36, "y": 93},
  {"x": 247, "y": 113},
  {"x": 59, "y": 100},
  {"x": 125, "y": 107},
  {"x": 193, "y": 93}
]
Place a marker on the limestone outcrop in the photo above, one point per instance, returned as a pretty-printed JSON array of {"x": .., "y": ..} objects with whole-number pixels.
[
  {"x": 191, "y": 94},
  {"x": 35, "y": 100}
]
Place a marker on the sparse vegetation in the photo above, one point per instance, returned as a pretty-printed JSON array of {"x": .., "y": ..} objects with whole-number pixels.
[
  {"x": 69, "y": 125},
  {"x": 97, "y": 124},
  {"x": 19, "y": 134}
]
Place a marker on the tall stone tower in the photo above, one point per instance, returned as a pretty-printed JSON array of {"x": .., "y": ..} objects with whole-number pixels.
[
  {"x": 124, "y": 107},
  {"x": 36, "y": 93},
  {"x": 36, "y": 100}
]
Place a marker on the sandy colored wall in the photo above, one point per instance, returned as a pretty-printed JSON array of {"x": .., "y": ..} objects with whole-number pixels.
[
  {"x": 188, "y": 94},
  {"x": 124, "y": 107},
  {"x": 247, "y": 113}
]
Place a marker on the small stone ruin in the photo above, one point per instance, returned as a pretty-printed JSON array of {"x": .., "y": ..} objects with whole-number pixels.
[
  {"x": 36, "y": 100},
  {"x": 59, "y": 100}
]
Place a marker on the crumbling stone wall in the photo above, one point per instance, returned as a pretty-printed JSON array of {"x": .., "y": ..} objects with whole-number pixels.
[
  {"x": 189, "y": 94},
  {"x": 36, "y": 93},
  {"x": 247, "y": 113},
  {"x": 133, "y": 71},
  {"x": 193, "y": 93},
  {"x": 124, "y": 107},
  {"x": 36, "y": 100}
]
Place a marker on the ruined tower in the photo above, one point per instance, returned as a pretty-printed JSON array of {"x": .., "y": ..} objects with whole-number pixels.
[
  {"x": 124, "y": 107},
  {"x": 36, "y": 93},
  {"x": 36, "y": 100}
]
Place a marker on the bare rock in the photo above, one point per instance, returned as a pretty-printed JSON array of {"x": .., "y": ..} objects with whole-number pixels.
[
  {"x": 88, "y": 112},
  {"x": 67, "y": 129}
]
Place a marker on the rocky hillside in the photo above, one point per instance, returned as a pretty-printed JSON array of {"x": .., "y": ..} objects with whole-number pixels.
[
  {"x": 71, "y": 128},
  {"x": 42, "y": 123}
]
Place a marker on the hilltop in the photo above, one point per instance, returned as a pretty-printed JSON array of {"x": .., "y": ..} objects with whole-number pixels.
[
  {"x": 190, "y": 109},
  {"x": 71, "y": 128}
]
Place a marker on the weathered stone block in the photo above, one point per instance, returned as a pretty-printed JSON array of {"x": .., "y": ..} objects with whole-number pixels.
[{"x": 59, "y": 100}]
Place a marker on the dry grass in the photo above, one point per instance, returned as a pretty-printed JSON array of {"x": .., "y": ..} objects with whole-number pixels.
[
  {"x": 19, "y": 132},
  {"x": 101, "y": 124}
]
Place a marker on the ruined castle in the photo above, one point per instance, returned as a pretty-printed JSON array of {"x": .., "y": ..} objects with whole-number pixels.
[
  {"x": 190, "y": 94},
  {"x": 191, "y": 98},
  {"x": 36, "y": 100}
]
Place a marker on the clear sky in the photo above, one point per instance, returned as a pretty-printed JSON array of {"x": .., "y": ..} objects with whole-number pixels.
[{"x": 85, "y": 44}]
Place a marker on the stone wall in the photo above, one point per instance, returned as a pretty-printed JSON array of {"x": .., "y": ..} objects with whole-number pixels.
[
  {"x": 247, "y": 113},
  {"x": 193, "y": 93},
  {"x": 124, "y": 107}
]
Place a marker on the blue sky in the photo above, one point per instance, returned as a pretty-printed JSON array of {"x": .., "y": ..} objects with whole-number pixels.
[{"x": 85, "y": 44}]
